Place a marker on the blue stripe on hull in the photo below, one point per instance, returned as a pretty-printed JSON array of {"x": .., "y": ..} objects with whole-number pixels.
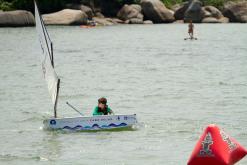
[{"x": 95, "y": 127}]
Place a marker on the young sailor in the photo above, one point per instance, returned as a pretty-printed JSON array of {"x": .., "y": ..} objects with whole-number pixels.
[
  {"x": 191, "y": 29},
  {"x": 102, "y": 108}
]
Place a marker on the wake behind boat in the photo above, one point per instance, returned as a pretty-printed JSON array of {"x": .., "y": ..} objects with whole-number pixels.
[{"x": 104, "y": 122}]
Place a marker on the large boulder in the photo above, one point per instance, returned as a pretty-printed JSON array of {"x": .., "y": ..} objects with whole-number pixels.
[
  {"x": 99, "y": 15},
  {"x": 211, "y": 11},
  {"x": 81, "y": 7},
  {"x": 148, "y": 22},
  {"x": 236, "y": 11},
  {"x": 137, "y": 7},
  {"x": 131, "y": 13},
  {"x": 180, "y": 10},
  {"x": 156, "y": 11},
  {"x": 213, "y": 15},
  {"x": 65, "y": 17},
  {"x": 194, "y": 12},
  {"x": 179, "y": 21},
  {"x": 135, "y": 21},
  {"x": 215, "y": 20},
  {"x": 104, "y": 21},
  {"x": 16, "y": 18},
  {"x": 117, "y": 21}
]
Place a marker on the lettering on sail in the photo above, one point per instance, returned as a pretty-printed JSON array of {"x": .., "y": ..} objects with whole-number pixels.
[
  {"x": 43, "y": 68},
  {"x": 41, "y": 45}
]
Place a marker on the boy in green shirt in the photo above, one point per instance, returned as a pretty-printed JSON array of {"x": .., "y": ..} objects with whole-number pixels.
[{"x": 102, "y": 108}]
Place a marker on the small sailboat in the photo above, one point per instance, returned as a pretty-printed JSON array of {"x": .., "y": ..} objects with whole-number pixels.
[{"x": 71, "y": 123}]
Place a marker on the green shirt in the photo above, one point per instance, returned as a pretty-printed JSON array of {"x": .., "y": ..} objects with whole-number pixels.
[{"x": 96, "y": 111}]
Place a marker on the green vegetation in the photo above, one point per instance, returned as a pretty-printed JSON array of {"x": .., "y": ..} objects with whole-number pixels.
[
  {"x": 5, "y": 6},
  {"x": 170, "y": 3},
  {"x": 216, "y": 3},
  {"x": 44, "y": 5}
]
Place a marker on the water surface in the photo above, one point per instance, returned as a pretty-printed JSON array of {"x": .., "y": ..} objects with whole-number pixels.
[{"x": 175, "y": 87}]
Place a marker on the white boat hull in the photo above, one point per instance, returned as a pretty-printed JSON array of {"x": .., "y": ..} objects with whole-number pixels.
[{"x": 91, "y": 122}]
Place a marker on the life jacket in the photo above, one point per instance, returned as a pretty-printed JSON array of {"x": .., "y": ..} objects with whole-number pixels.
[{"x": 104, "y": 111}]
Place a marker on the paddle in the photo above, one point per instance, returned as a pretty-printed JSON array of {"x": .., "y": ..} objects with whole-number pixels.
[{"x": 71, "y": 106}]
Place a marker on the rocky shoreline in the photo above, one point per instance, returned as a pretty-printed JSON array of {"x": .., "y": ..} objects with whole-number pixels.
[{"x": 147, "y": 12}]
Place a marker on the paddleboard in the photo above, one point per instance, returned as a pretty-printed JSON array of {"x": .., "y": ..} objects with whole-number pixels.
[{"x": 189, "y": 38}]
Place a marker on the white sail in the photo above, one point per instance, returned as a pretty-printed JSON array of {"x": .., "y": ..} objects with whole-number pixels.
[{"x": 47, "y": 58}]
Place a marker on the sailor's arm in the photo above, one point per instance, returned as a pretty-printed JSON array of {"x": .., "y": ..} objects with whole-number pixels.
[{"x": 110, "y": 111}]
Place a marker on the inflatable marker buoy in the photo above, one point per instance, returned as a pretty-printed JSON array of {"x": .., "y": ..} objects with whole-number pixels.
[{"x": 215, "y": 147}]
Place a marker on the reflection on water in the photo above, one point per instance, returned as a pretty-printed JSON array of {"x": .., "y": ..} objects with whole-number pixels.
[{"x": 51, "y": 147}]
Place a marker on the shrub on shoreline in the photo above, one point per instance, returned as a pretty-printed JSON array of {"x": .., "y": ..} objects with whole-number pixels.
[
  {"x": 216, "y": 3},
  {"x": 5, "y": 6}
]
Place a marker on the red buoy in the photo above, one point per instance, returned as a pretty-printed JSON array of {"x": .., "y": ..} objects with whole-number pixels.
[{"x": 215, "y": 147}]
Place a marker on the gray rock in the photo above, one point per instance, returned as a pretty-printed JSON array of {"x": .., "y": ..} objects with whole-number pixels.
[
  {"x": 113, "y": 20},
  {"x": 127, "y": 21},
  {"x": 130, "y": 12},
  {"x": 211, "y": 11},
  {"x": 99, "y": 15},
  {"x": 224, "y": 20},
  {"x": 65, "y": 17},
  {"x": 179, "y": 22},
  {"x": 103, "y": 21},
  {"x": 148, "y": 22},
  {"x": 206, "y": 13},
  {"x": 179, "y": 12},
  {"x": 16, "y": 18},
  {"x": 135, "y": 21},
  {"x": 213, "y": 15},
  {"x": 236, "y": 11},
  {"x": 81, "y": 7},
  {"x": 215, "y": 20},
  {"x": 210, "y": 20},
  {"x": 156, "y": 11},
  {"x": 194, "y": 12},
  {"x": 137, "y": 7},
  {"x": 117, "y": 21}
]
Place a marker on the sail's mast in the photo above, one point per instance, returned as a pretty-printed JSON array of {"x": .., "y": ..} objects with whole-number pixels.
[
  {"x": 55, "y": 105},
  {"x": 52, "y": 59}
]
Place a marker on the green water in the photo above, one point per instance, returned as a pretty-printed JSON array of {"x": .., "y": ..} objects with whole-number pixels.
[{"x": 175, "y": 87}]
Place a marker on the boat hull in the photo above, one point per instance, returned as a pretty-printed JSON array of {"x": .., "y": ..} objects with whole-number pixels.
[{"x": 104, "y": 122}]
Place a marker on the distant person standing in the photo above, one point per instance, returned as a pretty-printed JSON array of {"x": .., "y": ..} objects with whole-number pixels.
[{"x": 191, "y": 29}]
